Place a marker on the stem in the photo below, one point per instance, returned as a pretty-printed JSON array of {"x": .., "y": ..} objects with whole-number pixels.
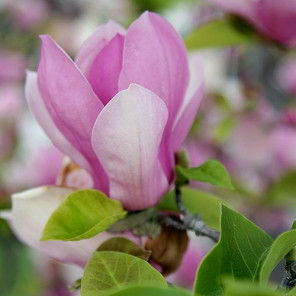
[
  {"x": 193, "y": 222},
  {"x": 289, "y": 280}
]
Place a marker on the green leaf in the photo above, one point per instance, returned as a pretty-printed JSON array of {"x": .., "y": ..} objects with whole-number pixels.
[
  {"x": 150, "y": 291},
  {"x": 124, "y": 245},
  {"x": 283, "y": 244},
  {"x": 212, "y": 172},
  {"x": 82, "y": 215},
  {"x": 246, "y": 288},
  {"x": 239, "y": 254},
  {"x": 196, "y": 201},
  {"x": 108, "y": 270},
  {"x": 217, "y": 33}
]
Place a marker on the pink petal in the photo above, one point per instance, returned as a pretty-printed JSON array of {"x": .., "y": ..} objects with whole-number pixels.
[
  {"x": 188, "y": 110},
  {"x": 95, "y": 43},
  {"x": 277, "y": 19},
  {"x": 41, "y": 114},
  {"x": 70, "y": 102},
  {"x": 155, "y": 57},
  {"x": 30, "y": 212},
  {"x": 126, "y": 139},
  {"x": 242, "y": 7},
  {"x": 104, "y": 72}
]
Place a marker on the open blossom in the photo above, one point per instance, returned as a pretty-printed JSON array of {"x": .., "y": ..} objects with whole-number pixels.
[
  {"x": 122, "y": 109},
  {"x": 274, "y": 18},
  {"x": 120, "y": 112}
]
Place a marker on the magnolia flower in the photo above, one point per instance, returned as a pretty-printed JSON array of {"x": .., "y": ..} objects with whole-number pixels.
[
  {"x": 275, "y": 19},
  {"x": 122, "y": 109}
]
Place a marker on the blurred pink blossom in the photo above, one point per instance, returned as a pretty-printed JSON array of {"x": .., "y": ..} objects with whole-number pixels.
[
  {"x": 11, "y": 103},
  {"x": 283, "y": 145},
  {"x": 41, "y": 166},
  {"x": 12, "y": 66},
  {"x": 273, "y": 18},
  {"x": 27, "y": 14},
  {"x": 286, "y": 75}
]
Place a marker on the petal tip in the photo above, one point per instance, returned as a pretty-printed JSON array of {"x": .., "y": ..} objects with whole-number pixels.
[{"x": 31, "y": 193}]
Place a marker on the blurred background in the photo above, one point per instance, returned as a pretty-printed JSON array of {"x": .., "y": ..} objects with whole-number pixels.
[{"x": 247, "y": 120}]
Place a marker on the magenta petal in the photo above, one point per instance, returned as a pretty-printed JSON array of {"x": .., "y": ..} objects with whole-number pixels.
[
  {"x": 155, "y": 57},
  {"x": 104, "y": 72},
  {"x": 188, "y": 110},
  {"x": 277, "y": 19},
  {"x": 95, "y": 43},
  {"x": 126, "y": 139},
  {"x": 41, "y": 114},
  {"x": 242, "y": 7},
  {"x": 71, "y": 103}
]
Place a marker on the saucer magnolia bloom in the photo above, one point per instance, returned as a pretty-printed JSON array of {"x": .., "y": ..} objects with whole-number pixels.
[
  {"x": 274, "y": 18},
  {"x": 122, "y": 108}
]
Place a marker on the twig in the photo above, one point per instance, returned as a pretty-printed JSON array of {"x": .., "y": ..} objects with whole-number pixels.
[
  {"x": 189, "y": 221},
  {"x": 289, "y": 280}
]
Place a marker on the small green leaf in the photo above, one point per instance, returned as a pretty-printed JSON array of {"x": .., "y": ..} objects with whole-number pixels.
[
  {"x": 278, "y": 250},
  {"x": 247, "y": 288},
  {"x": 82, "y": 215},
  {"x": 239, "y": 254},
  {"x": 124, "y": 245},
  {"x": 150, "y": 291},
  {"x": 196, "y": 201},
  {"x": 217, "y": 33},
  {"x": 107, "y": 271},
  {"x": 212, "y": 172}
]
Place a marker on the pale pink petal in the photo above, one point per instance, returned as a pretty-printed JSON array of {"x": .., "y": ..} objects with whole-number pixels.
[
  {"x": 41, "y": 114},
  {"x": 71, "y": 175},
  {"x": 95, "y": 43},
  {"x": 188, "y": 110},
  {"x": 71, "y": 103},
  {"x": 104, "y": 72},
  {"x": 31, "y": 210},
  {"x": 126, "y": 139},
  {"x": 155, "y": 57}
]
